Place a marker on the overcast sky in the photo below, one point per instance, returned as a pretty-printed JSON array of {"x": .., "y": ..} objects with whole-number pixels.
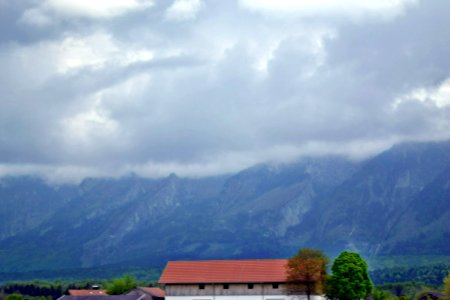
[{"x": 203, "y": 87}]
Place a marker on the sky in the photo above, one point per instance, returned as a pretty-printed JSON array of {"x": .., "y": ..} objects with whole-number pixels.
[{"x": 207, "y": 87}]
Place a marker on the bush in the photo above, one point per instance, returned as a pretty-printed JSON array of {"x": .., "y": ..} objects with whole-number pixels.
[{"x": 120, "y": 286}]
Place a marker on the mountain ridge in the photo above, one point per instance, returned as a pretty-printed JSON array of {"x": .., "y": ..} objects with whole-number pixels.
[{"x": 262, "y": 212}]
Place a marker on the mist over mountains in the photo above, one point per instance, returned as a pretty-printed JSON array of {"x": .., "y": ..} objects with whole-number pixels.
[{"x": 396, "y": 203}]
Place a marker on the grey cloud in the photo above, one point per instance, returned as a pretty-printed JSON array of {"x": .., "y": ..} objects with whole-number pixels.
[
  {"x": 14, "y": 27},
  {"x": 32, "y": 117},
  {"x": 410, "y": 50},
  {"x": 368, "y": 65},
  {"x": 202, "y": 101},
  {"x": 10, "y": 29}
]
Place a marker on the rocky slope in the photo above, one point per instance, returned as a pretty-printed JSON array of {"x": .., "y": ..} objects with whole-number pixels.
[
  {"x": 26, "y": 202},
  {"x": 365, "y": 212},
  {"x": 394, "y": 203}
]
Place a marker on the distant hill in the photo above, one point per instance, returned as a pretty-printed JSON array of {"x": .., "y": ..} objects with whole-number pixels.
[{"x": 396, "y": 203}]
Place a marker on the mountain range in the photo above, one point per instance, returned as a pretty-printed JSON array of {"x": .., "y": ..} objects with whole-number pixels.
[{"x": 395, "y": 203}]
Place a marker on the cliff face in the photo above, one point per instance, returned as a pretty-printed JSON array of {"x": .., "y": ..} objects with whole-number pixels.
[
  {"x": 26, "y": 202},
  {"x": 367, "y": 210},
  {"x": 394, "y": 203}
]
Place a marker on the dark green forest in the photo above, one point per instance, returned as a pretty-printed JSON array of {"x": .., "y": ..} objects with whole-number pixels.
[
  {"x": 80, "y": 274},
  {"x": 432, "y": 275}
]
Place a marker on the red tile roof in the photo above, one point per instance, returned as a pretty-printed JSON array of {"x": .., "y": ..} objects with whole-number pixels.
[
  {"x": 157, "y": 292},
  {"x": 88, "y": 293},
  {"x": 225, "y": 271}
]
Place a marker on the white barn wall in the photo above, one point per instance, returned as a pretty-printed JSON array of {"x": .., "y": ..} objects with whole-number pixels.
[{"x": 245, "y": 297}]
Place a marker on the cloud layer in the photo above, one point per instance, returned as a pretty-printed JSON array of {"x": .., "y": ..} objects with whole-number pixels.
[{"x": 97, "y": 88}]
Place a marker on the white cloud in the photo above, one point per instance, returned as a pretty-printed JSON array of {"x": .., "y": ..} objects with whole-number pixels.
[
  {"x": 439, "y": 96},
  {"x": 88, "y": 51},
  {"x": 326, "y": 7},
  {"x": 97, "y": 8},
  {"x": 96, "y": 51},
  {"x": 75, "y": 52},
  {"x": 181, "y": 10},
  {"x": 47, "y": 9},
  {"x": 55, "y": 174},
  {"x": 85, "y": 127}
]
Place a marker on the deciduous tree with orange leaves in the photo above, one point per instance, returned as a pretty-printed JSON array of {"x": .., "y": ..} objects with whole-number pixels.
[{"x": 307, "y": 272}]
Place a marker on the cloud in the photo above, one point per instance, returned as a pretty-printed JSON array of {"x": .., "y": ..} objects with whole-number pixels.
[
  {"x": 181, "y": 10},
  {"x": 44, "y": 13},
  {"x": 54, "y": 174},
  {"x": 438, "y": 96},
  {"x": 326, "y": 7},
  {"x": 141, "y": 92},
  {"x": 98, "y": 8},
  {"x": 36, "y": 16}
]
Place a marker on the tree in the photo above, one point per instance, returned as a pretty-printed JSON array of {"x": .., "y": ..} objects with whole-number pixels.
[
  {"x": 380, "y": 295},
  {"x": 447, "y": 286},
  {"x": 350, "y": 278},
  {"x": 121, "y": 285},
  {"x": 14, "y": 297},
  {"x": 307, "y": 272}
]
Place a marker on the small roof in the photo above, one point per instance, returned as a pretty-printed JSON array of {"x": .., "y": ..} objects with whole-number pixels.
[
  {"x": 91, "y": 297},
  {"x": 154, "y": 291},
  {"x": 225, "y": 271},
  {"x": 88, "y": 293}
]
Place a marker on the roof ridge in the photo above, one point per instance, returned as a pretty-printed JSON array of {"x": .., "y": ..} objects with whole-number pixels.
[{"x": 208, "y": 260}]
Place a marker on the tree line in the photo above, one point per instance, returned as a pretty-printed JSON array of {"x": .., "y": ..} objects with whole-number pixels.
[
  {"x": 432, "y": 275},
  {"x": 307, "y": 273},
  {"x": 51, "y": 290}
]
